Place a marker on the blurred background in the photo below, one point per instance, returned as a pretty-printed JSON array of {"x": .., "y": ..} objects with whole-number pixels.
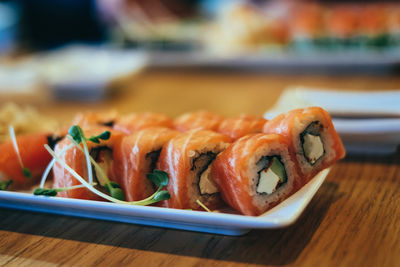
[
  {"x": 218, "y": 25},
  {"x": 247, "y": 57},
  {"x": 77, "y": 46}
]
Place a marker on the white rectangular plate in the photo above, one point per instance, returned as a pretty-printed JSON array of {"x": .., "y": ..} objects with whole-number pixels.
[{"x": 282, "y": 215}]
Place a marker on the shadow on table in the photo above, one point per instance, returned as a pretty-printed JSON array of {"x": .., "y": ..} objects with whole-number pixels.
[
  {"x": 378, "y": 159},
  {"x": 277, "y": 247}
]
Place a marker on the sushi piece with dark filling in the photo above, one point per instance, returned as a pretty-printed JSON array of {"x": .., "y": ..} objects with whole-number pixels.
[
  {"x": 137, "y": 121},
  {"x": 187, "y": 159},
  {"x": 92, "y": 119},
  {"x": 198, "y": 120},
  {"x": 101, "y": 153},
  {"x": 135, "y": 156},
  {"x": 242, "y": 125},
  {"x": 312, "y": 137},
  {"x": 256, "y": 173}
]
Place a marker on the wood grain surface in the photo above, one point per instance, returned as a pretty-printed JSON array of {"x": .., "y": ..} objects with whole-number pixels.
[{"x": 353, "y": 220}]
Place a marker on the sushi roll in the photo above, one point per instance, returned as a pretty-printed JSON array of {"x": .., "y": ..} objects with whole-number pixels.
[
  {"x": 200, "y": 120},
  {"x": 106, "y": 119},
  {"x": 312, "y": 136},
  {"x": 102, "y": 153},
  {"x": 187, "y": 158},
  {"x": 135, "y": 156},
  {"x": 342, "y": 21},
  {"x": 256, "y": 173},
  {"x": 307, "y": 21},
  {"x": 33, "y": 156},
  {"x": 138, "y": 121},
  {"x": 240, "y": 126}
]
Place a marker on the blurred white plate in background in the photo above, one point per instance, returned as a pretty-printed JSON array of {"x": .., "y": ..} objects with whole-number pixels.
[
  {"x": 74, "y": 72},
  {"x": 84, "y": 72}
]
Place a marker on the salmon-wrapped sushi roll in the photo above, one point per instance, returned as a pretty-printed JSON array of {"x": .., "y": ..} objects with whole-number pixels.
[
  {"x": 240, "y": 126},
  {"x": 310, "y": 132},
  {"x": 343, "y": 21},
  {"x": 138, "y": 121},
  {"x": 101, "y": 153},
  {"x": 374, "y": 19},
  {"x": 187, "y": 159},
  {"x": 256, "y": 173},
  {"x": 200, "y": 120},
  {"x": 92, "y": 119},
  {"x": 136, "y": 156},
  {"x": 307, "y": 21},
  {"x": 33, "y": 156}
]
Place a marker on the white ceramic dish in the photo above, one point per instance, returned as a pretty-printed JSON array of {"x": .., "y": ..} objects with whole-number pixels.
[
  {"x": 282, "y": 215},
  {"x": 74, "y": 72}
]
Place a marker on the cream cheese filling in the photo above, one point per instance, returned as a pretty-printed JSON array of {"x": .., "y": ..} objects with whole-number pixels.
[
  {"x": 104, "y": 161},
  {"x": 206, "y": 183},
  {"x": 313, "y": 147},
  {"x": 268, "y": 181}
]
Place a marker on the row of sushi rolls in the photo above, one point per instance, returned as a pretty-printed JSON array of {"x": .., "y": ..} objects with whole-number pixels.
[
  {"x": 198, "y": 160},
  {"x": 306, "y": 25}
]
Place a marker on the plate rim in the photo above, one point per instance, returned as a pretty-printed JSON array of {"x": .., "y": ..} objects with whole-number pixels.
[{"x": 211, "y": 222}]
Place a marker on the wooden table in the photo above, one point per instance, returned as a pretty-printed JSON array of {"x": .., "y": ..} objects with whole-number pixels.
[{"x": 353, "y": 220}]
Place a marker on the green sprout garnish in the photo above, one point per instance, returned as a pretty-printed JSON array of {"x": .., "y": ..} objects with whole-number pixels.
[
  {"x": 103, "y": 136},
  {"x": 162, "y": 195},
  {"x": 25, "y": 171},
  {"x": 159, "y": 178},
  {"x": 203, "y": 206},
  {"x": 76, "y": 136},
  {"x": 51, "y": 164},
  {"x": 5, "y": 184},
  {"x": 52, "y": 192},
  {"x": 77, "y": 133},
  {"x": 115, "y": 190}
]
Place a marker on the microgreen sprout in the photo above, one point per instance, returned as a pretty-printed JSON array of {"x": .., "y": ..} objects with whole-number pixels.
[
  {"x": 111, "y": 187},
  {"x": 77, "y": 134},
  {"x": 5, "y": 184},
  {"x": 80, "y": 178},
  {"x": 25, "y": 171},
  {"x": 115, "y": 190},
  {"x": 103, "y": 136},
  {"x": 159, "y": 178},
  {"x": 52, "y": 192},
  {"x": 203, "y": 206},
  {"x": 51, "y": 164}
]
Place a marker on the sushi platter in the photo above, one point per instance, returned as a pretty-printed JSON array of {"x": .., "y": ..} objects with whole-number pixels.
[
  {"x": 248, "y": 173},
  {"x": 225, "y": 222}
]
